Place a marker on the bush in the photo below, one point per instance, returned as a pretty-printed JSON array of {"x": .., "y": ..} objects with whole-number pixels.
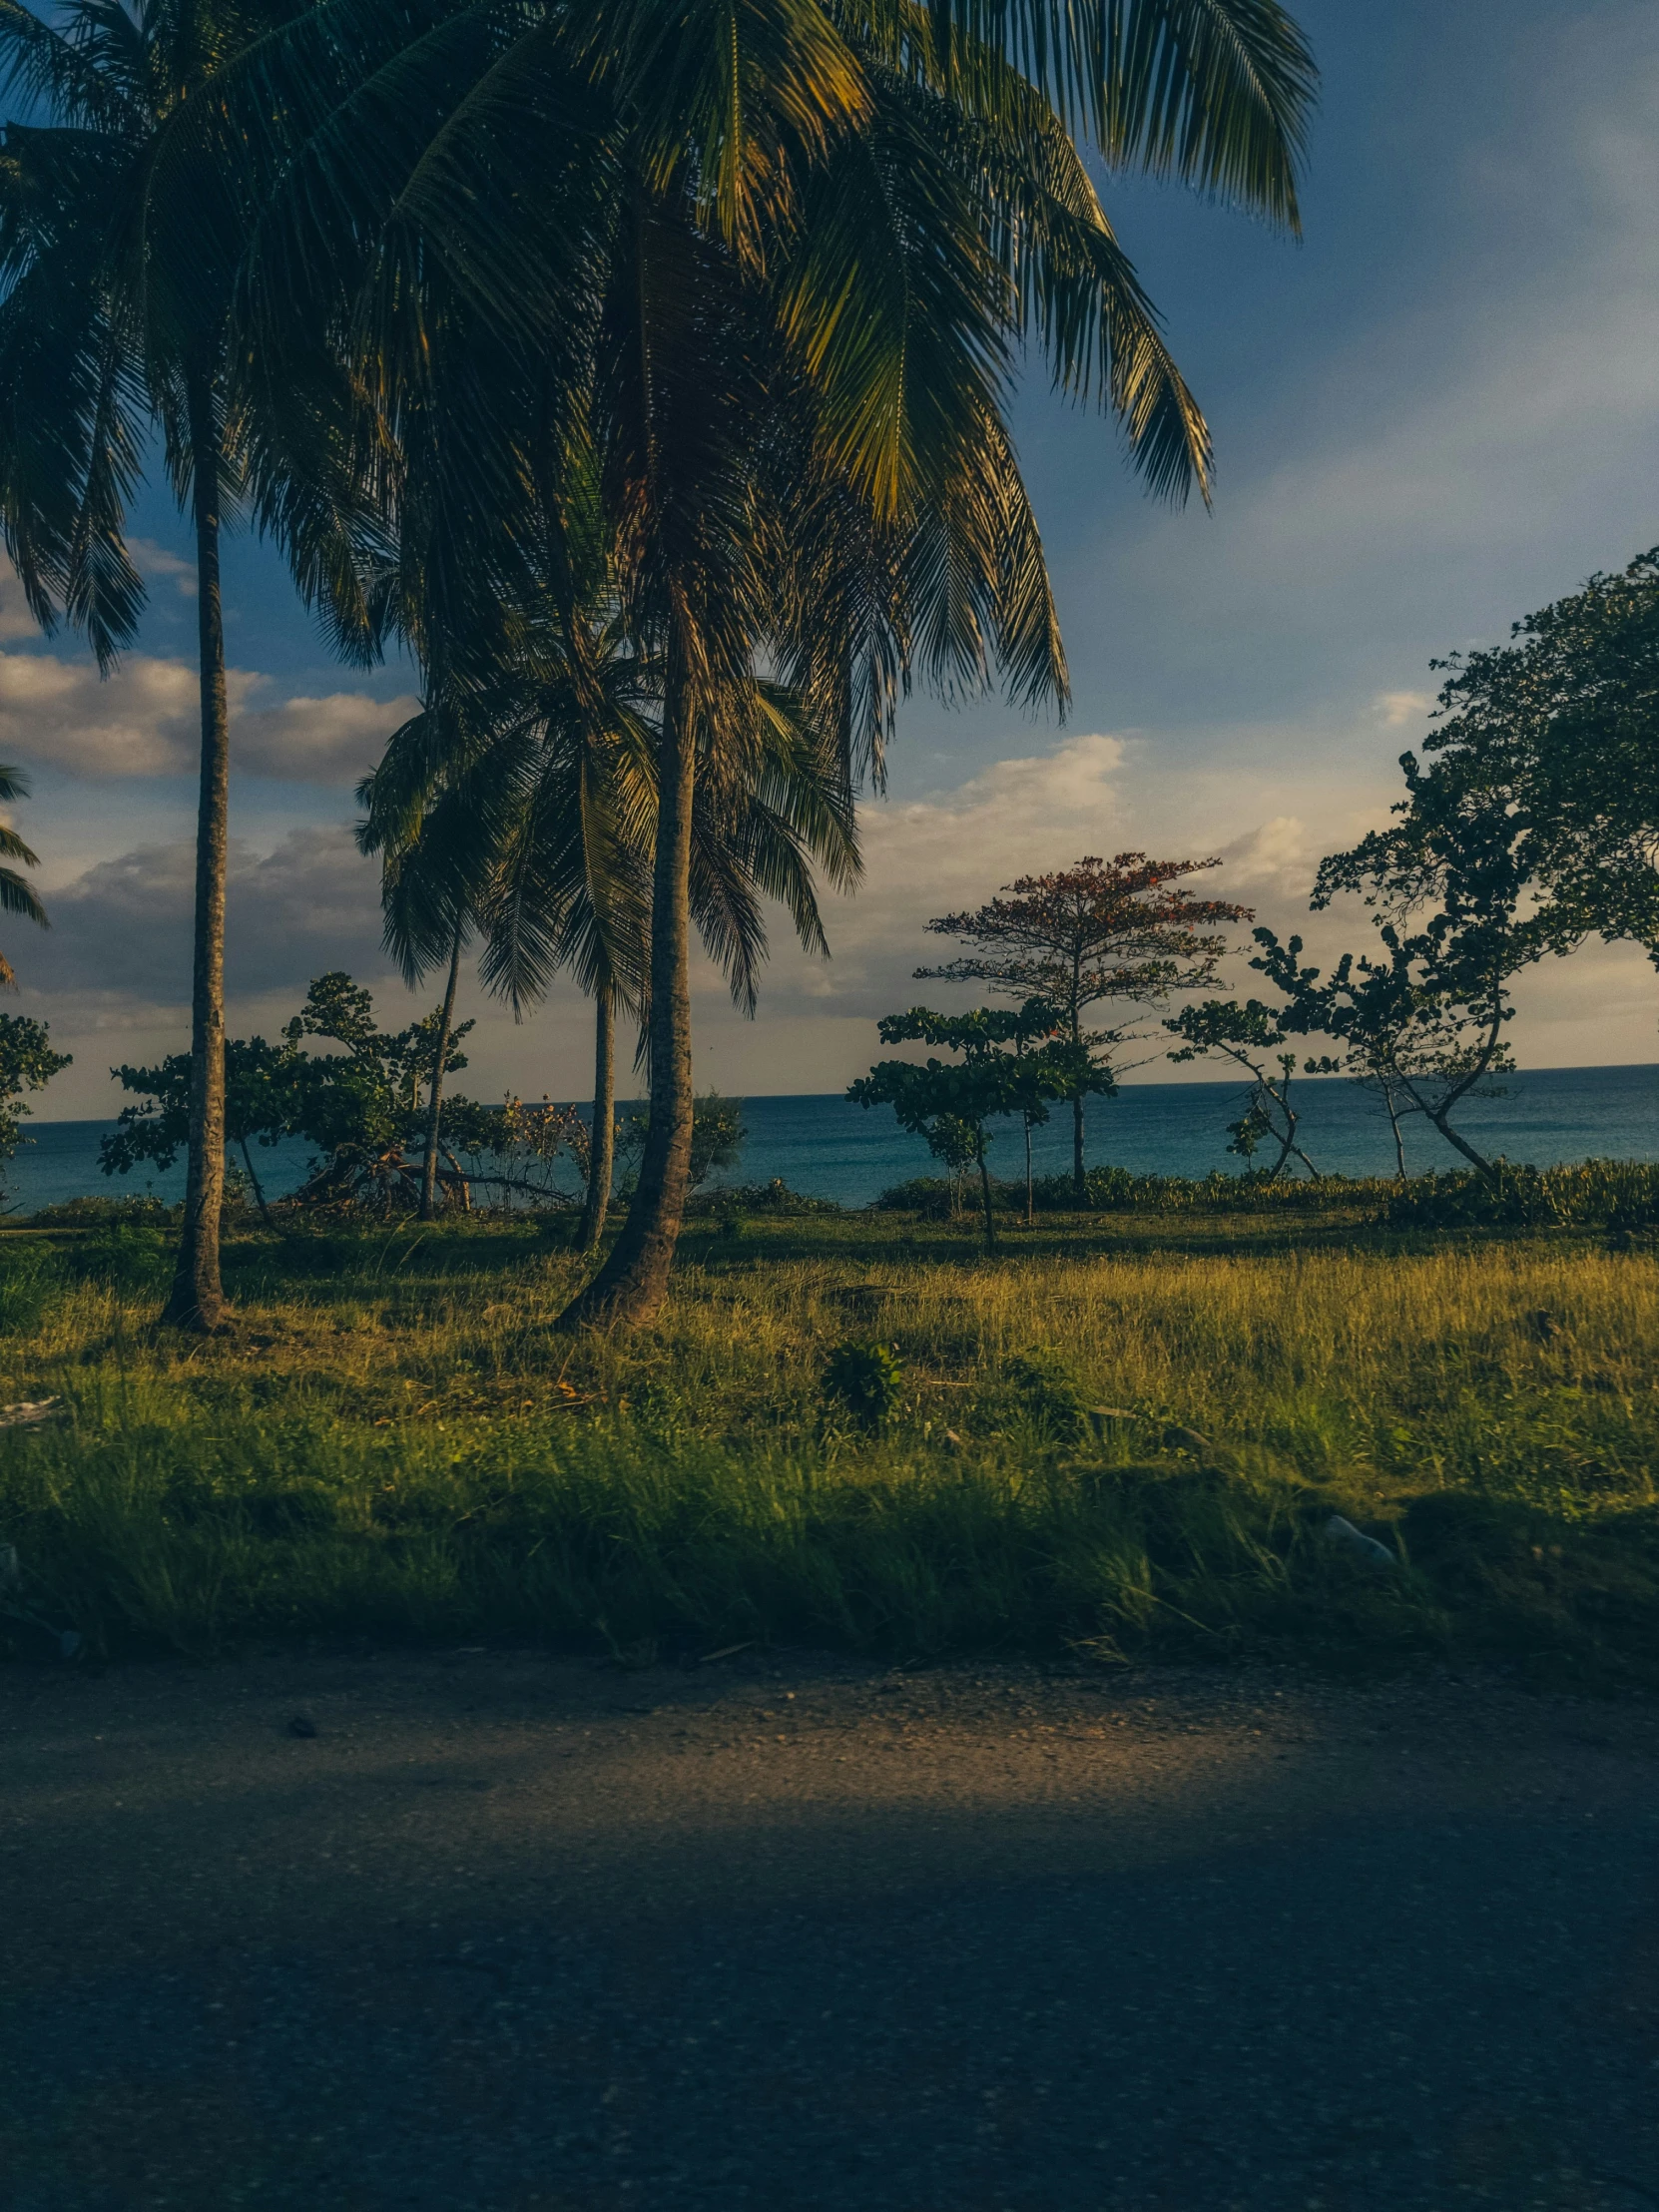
[
  {"x": 1618, "y": 1195},
  {"x": 929, "y": 1195},
  {"x": 867, "y": 1379},
  {"x": 1036, "y": 1390},
  {"x": 1115, "y": 1190},
  {"x": 1109, "y": 1189},
  {"x": 100, "y": 1213},
  {"x": 774, "y": 1197}
]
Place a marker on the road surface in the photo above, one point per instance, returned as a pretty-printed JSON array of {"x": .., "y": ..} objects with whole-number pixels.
[{"x": 793, "y": 1934}]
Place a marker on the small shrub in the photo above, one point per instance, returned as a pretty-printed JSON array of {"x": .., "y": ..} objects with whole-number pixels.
[
  {"x": 867, "y": 1379},
  {"x": 931, "y": 1195},
  {"x": 1036, "y": 1389},
  {"x": 1104, "y": 1190},
  {"x": 774, "y": 1197},
  {"x": 101, "y": 1213}
]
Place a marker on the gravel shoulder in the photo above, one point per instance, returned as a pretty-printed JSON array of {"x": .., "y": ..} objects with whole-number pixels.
[{"x": 509, "y": 1932}]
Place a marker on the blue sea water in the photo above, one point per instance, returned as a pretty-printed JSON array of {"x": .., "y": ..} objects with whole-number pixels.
[{"x": 833, "y": 1149}]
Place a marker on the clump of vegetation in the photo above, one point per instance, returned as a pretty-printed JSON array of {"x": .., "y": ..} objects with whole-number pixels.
[
  {"x": 1010, "y": 1062},
  {"x": 121, "y": 1255},
  {"x": 866, "y": 1379},
  {"x": 1118, "y": 1190},
  {"x": 1034, "y": 1393},
  {"x": 774, "y": 1199},
  {"x": 98, "y": 1213},
  {"x": 1595, "y": 1194},
  {"x": 369, "y": 1107},
  {"x": 1115, "y": 1189}
]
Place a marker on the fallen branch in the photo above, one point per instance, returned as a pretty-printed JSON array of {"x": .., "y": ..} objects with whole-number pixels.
[{"x": 29, "y": 1412}]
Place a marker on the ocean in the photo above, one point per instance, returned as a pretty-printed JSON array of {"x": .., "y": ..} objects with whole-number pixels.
[{"x": 829, "y": 1148}]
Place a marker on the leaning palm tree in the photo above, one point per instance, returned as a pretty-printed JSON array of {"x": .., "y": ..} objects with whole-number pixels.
[
  {"x": 16, "y": 897},
  {"x": 771, "y": 270},
  {"x": 118, "y": 241}
]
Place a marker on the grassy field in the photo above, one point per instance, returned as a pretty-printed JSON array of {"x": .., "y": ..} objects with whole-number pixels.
[{"x": 393, "y": 1445}]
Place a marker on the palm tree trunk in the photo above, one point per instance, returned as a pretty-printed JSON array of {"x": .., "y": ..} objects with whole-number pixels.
[
  {"x": 197, "y": 1298},
  {"x": 602, "y": 1143},
  {"x": 633, "y": 1281},
  {"x": 434, "y": 1113}
]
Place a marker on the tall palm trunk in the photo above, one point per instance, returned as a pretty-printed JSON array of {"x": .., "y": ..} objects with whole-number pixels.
[
  {"x": 633, "y": 1281},
  {"x": 434, "y": 1112},
  {"x": 602, "y": 1145},
  {"x": 197, "y": 1298}
]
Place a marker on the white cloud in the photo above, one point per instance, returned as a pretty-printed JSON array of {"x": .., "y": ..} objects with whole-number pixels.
[
  {"x": 138, "y": 721},
  {"x": 1393, "y": 708},
  {"x": 925, "y": 856},
  {"x": 1278, "y": 853},
  {"x": 333, "y": 740},
  {"x": 151, "y": 560},
  {"x": 144, "y": 720},
  {"x": 120, "y": 942}
]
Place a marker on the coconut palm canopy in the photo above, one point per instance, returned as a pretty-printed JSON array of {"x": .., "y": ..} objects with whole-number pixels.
[{"x": 752, "y": 277}]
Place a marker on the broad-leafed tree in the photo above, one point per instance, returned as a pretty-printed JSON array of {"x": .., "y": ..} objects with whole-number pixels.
[
  {"x": 1010, "y": 1061},
  {"x": 1124, "y": 932},
  {"x": 1560, "y": 728}
]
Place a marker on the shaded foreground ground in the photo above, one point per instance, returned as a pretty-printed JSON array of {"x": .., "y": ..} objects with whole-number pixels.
[{"x": 798, "y": 1934}]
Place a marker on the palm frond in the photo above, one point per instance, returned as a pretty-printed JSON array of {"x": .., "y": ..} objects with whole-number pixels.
[{"x": 16, "y": 897}]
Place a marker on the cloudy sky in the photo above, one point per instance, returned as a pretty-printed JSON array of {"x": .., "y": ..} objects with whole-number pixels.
[{"x": 1440, "y": 410}]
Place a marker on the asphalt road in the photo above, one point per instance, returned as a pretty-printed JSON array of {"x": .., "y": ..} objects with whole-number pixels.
[{"x": 507, "y": 1933}]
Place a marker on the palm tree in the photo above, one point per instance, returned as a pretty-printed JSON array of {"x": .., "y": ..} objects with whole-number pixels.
[
  {"x": 16, "y": 897},
  {"x": 533, "y": 806},
  {"x": 118, "y": 241},
  {"x": 768, "y": 274}
]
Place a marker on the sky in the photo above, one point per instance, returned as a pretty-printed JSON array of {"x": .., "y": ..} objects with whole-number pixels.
[{"x": 1437, "y": 411}]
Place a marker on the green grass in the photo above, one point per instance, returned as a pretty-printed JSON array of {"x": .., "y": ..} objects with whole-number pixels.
[{"x": 396, "y": 1446}]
